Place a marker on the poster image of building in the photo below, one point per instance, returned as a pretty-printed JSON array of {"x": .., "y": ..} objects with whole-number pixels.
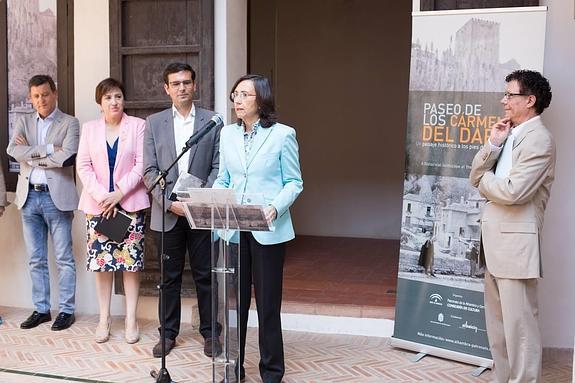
[
  {"x": 471, "y": 53},
  {"x": 445, "y": 210}
]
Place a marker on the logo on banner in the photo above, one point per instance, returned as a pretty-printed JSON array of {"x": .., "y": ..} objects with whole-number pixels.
[{"x": 436, "y": 299}]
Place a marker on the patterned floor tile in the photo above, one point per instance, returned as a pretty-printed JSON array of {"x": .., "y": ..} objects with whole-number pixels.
[{"x": 72, "y": 356}]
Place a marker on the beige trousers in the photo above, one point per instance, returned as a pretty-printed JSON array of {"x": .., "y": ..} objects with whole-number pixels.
[{"x": 512, "y": 319}]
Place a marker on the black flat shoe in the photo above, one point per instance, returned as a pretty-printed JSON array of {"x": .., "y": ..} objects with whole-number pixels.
[
  {"x": 212, "y": 346},
  {"x": 63, "y": 321},
  {"x": 157, "y": 350},
  {"x": 35, "y": 319}
]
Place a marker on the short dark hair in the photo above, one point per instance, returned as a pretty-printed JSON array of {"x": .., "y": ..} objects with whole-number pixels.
[
  {"x": 41, "y": 79},
  {"x": 533, "y": 83},
  {"x": 264, "y": 99},
  {"x": 178, "y": 67},
  {"x": 107, "y": 85}
]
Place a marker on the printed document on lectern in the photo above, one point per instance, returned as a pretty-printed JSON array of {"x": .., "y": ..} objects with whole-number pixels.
[{"x": 221, "y": 209}]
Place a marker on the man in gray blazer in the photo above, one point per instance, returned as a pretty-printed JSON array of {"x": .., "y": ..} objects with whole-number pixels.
[
  {"x": 45, "y": 144},
  {"x": 514, "y": 172},
  {"x": 165, "y": 136}
]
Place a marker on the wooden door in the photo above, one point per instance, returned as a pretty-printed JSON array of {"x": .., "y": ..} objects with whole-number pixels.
[{"x": 146, "y": 35}]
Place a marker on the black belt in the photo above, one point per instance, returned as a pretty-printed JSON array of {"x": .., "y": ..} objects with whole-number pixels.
[{"x": 39, "y": 187}]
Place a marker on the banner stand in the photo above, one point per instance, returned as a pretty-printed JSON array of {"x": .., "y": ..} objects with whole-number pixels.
[
  {"x": 459, "y": 61},
  {"x": 483, "y": 363}
]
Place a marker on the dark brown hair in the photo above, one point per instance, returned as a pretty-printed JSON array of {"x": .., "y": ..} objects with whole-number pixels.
[
  {"x": 533, "y": 83},
  {"x": 178, "y": 67},
  {"x": 264, "y": 98},
  {"x": 41, "y": 79},
  {"x": 107, "y": 85}
]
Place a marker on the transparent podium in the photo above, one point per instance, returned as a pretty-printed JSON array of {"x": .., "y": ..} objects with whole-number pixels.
[{"x": 225, "y": 214}]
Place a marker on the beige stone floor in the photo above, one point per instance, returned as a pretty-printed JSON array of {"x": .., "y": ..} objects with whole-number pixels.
[{"x": 73, "y": 356}]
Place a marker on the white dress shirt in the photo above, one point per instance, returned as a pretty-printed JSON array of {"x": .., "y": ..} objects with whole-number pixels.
[
  {"x": 505, "y": 160},
  {"x": 38, "y": 175},
  {"x": 183, "y": 129}
]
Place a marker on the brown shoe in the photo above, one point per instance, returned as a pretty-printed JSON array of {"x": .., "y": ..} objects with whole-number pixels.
[
  {"x": 212, "y": 346},
  {"x": 157, "y": 350}
]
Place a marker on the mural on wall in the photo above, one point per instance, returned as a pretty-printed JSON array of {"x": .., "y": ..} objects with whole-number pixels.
[{"x": 31, "y": 50}]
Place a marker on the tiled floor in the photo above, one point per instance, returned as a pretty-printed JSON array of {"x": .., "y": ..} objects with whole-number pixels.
[
  {"x": 73, "y": 356},
  {"x": 330, "y": 276},
  {"x": 341, "y": 276}
]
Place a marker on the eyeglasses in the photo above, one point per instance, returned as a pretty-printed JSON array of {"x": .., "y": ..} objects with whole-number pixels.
[
  {"x": 508, "y": 95},
  {"x": 240, "y": 96},
  {"x": 185, "y": 83}
]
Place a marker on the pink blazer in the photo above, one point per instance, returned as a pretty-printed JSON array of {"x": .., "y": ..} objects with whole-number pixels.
[{"x": 93, "y": 169}]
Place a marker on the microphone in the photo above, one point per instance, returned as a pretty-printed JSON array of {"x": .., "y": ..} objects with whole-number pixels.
[{"x": 196, "y": 137}]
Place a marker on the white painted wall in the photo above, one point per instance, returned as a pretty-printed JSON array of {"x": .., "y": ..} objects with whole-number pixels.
[
  {"x": 557, "y": 288},
  {"x": 230, "y": 51}
]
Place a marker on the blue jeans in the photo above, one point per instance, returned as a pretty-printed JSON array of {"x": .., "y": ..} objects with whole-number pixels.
[{"x": 40, "y": 215}]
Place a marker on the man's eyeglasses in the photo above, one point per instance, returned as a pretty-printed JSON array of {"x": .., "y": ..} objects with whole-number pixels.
[
  {"x": 185, "y": 83},
  {"x": 240, "y": 96},
  {"x": 508, "y": 95}
]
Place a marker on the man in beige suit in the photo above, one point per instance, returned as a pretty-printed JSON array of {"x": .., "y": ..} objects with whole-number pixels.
[
  {"x": 514, "y": 172},
  {"x": 45, "y": 144}
]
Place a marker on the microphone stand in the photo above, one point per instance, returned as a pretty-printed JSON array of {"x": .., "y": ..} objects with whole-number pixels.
[{"x": 163, "y": 376}]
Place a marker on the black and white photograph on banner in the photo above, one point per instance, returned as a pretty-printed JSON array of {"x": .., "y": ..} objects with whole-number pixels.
[
  {"x": 440, "y": 232},
  {"x": 472, "y": 52}
]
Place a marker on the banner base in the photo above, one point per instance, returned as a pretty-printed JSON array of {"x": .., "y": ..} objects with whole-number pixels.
[{"x": 442, "y": 353}]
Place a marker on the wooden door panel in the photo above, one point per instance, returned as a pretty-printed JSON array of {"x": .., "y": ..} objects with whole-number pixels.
[
  {"x": 162, "y": 23},
  {"x": 146, "y": 35},
  {"x": 142, "y": 75}
]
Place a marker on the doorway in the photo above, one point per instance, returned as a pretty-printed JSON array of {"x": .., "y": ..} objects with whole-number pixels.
[{"x": 340, "y": 71}]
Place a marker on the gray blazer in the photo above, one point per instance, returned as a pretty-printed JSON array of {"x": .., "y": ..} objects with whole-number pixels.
[
  {"x": 160, "y": 151},
  {"x": 3, "y": 201},
  {"x": 64, "y": 132}
]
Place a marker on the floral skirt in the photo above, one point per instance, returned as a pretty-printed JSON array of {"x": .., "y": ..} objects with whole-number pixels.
[{"x": 107, "y": 255}]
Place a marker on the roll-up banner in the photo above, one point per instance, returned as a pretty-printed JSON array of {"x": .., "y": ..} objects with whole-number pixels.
[{"x": 459, "y": 60}]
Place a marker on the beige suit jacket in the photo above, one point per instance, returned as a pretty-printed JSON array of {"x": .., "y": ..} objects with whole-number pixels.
[
  {"x": 3, "y": 200},
  {"x": 512, "y": 219},
  {"x": 65, "y": 133}
]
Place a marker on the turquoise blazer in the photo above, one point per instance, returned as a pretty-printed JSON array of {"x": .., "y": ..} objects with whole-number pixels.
[{"x": 272, "y": 169}]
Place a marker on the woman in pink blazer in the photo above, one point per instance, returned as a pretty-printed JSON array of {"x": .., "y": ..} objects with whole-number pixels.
[{"x": 110, "y": 166}]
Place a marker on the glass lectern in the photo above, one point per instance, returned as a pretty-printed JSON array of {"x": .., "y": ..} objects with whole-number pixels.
[{"x": 225, "y": 214}]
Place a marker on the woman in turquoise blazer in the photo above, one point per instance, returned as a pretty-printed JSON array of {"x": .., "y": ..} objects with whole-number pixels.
[{"x": 260, "y": 155}]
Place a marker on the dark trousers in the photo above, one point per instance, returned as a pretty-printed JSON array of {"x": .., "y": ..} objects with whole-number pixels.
[
  {"x": 262, "y": 266},
  {"x": 197, "y": 243}
]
